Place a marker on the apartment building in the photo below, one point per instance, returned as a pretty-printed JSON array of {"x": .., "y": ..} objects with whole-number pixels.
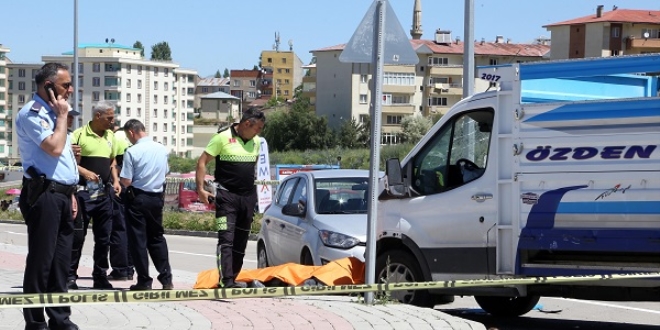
[
  {"x": 210, "y": 85},
  {"x": 21, "y": 86},
  {"x": 606, "y": 33},
  {"x": 249, "y": 85},
  {"x": 5, "y": 110},
  {"x": 286, "y": 69},
  {"x": 341, "y": 90},
  {"x": 158, "y": 93}
]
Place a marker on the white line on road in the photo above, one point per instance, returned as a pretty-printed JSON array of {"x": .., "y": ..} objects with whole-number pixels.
[
  {"x": 11, "y": 232},
  {"x": 611, "y": 305},
  {"x": 203, "y": 255}
]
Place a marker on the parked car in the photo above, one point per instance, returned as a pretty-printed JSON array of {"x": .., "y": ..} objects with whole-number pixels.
[{"x": 315, "y": 217}]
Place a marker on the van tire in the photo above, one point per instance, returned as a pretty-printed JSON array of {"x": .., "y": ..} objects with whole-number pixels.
[
  {"x": 507, "y": 306},
  {"x": 306, "y": 258},
  {"x": 402, "y": 268},
  {"x": 262, "y": 256}
]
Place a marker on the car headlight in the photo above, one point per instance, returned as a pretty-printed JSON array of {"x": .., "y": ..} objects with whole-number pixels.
[{"x": 337, "y": 240}]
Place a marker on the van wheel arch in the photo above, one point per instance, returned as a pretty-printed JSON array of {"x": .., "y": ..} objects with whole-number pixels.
[{"x": 408, "y": 245}]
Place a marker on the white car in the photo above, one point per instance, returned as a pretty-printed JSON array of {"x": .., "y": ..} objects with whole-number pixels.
[{"x": 316, "y": 217}]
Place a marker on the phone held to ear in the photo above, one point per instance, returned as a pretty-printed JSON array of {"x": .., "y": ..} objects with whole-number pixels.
[{"x": 49, "y": 88}]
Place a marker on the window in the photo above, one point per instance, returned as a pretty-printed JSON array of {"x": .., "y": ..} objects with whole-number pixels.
[
  {"x": 237, "y": 83},
  {"x": 155, "y": 85},
  {"x": 21, "y": 98},
  {"x": 139, "y": 69},
  {"x": 109, "y": 67},
  {"x": 164, "y": 127},
  {"x": 616, "y": 32},
  {"x": 155, "y": 127},
  {"x": 363, "y": 119},
  {"x": 363, "y": 78},
  {"x": 393, "y": 120},
  {"x": 165, "y": 116},
  {"x": 301, "y": 190},
  {"x": 284, "y": 193},
  {"x": 270, "y": 60},
  {"x": 615, "y": 52},
  {"x": 21, "y": 85},
  {"x": 205, "y": 90},
  {"x": 81, "y": 68},
  {"x": 438, "y": 80},
  {"x": 155, "y": 140},
  {"x": 128, "y": 83},
  {"x": 96, "y": 96},
  {"x": 173, "y": 130},
  {"x": 389, "y": 138},
  {"x": 441, "y": 164},
  {"x": 21, "y": 72},
  {"x": 191, "y": 90},
  {"x": 286, "y": 92},
  {"x": 128, "y": 112},
  {"x": 155, "y": 72},
  {"x": 287, "y": 70},
  {"x": 438, "y": 61},
  {"x": 283, "y": 60},
  {"x": 653, "y": 33},
  {"x": 286, "y": 81},
  {"x": 139, "y": 112},
  {"x": 128, "y": 97},
  {"x": 128, "y": 68},
  {"x": 492, "y": 61},
  {"x": 166, "y": 86},
  {"x": 279, "y": 70},
  {"x": 166, "y": 72},
  {"x": 363, "y": 98},
  {"x": 253, "y": 83},
  {"x": 183, "y": 92},
  {"x": 139, "y": 98},
  {"x": 96, "y": 81},
  {"x": 441, "y": 101},
  {"x": 155, "y": 99},
  {"x": 96, "y": 67},
  {"x": 139, "y": 83},
  {"x": 399, "y": 79},
  {"x": 155, "y": 113},
  {"x": 183, "y": 142},
  {"x": 164, "y": 141},
  {"x": 165, "y": 100}
]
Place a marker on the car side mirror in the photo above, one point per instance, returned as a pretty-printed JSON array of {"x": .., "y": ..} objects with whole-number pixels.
[
  {"x": 296, "y": 209},
  {"x": 395, "y": 186}
]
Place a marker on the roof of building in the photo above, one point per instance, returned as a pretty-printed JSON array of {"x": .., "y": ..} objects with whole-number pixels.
[
  {"x": 480, "y": 48},
  {"x": 616, "y": 16},
  {"x": 102, "y": 45},
  {"x": 244, "y": 73},
  {"x": 220, "y": 95},
  {"x": 212, "y": 82}
]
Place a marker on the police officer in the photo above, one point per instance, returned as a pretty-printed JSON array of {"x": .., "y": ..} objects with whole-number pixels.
[
  {"x": 143, "y": 175},
  {"x": 119, "y": 238},
  {"x": 46, "y": 200},
  {"x": 235, "y": 150},
  {"x": 99, "y": 180}
]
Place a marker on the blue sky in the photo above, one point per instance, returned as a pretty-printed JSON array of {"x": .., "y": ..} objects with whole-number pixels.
[{"x": 207, "y": 35}]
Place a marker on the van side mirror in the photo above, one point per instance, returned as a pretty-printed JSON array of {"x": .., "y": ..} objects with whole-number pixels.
[{"x": 395, "y": 186}]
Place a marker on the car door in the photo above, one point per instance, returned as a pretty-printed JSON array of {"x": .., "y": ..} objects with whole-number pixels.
[
  {"x": 274, "y": 222},
  {"x": 452, "y": 213},
  {"x": 294, "y": 228}
]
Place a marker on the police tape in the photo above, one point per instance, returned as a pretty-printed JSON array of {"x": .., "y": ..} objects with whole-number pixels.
[
  {"x": 256, "y": 182},
  {"x": 120, "y": 297}
]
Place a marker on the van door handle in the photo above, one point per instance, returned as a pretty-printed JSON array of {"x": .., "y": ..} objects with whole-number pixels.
[
  {"x": 267, "y": 221},
  {"x": 282, "y": 226},
  {"x": 479, "y": 198}
]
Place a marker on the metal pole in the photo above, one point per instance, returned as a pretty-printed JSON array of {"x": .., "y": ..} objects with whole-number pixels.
[
  {"x": 376, "y": 105},
  {"x": 468, "y": 50},
  {"x": 74, "y": 79}
]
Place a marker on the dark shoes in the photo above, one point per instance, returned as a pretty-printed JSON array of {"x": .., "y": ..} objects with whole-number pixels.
[
  {"x": 168, "y": 286},
  {"x": 102, "y": 284},
  {"x": 234, "y": 285},
  {"x": 140, "y": 287},
  {"x": 71, "y": 284},
  {"x": 112, "y": 277}
]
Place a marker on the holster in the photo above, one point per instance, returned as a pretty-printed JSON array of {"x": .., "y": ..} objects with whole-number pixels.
[
  {"x": 36, "y": 186},
  {"x": 129, "y": 195}
]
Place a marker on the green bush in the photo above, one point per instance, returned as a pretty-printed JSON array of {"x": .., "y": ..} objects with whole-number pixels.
[{"x": 198, "y": 221}]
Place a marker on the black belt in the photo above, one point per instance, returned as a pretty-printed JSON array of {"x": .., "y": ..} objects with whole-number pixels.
[
  {"x": 56, "y": 187},
  {"x": 137, "y": 191}
]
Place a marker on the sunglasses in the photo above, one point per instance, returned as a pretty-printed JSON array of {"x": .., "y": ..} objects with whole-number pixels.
[{"x": 66, "y": 85}]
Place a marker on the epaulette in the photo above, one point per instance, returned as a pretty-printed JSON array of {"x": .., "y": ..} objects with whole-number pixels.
[
  {"x": 36, "y": 107},
  {"x": 224, "y": 128}
]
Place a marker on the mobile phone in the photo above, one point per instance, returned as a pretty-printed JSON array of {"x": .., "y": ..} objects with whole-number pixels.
[{"x": 49, "y": 87}]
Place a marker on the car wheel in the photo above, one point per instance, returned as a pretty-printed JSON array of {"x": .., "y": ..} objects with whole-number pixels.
[
  {"x": 306, "y": 258},
  {"x": 507, "y": 306},
  {"x": 262, "y": 257},
  {"x": 396, "y": 266}
]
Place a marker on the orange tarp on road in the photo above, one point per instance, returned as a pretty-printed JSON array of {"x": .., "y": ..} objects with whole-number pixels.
[{"x": 338, "y": 272}]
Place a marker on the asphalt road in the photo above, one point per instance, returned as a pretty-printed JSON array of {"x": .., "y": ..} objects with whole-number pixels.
[{"x": 194, "y": 254}]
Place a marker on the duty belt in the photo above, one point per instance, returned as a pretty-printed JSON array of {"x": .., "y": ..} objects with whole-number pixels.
[{"x": 56, "y": 187}]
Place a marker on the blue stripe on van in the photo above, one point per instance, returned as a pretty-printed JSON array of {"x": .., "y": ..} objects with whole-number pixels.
[
  {"x": 599, "y": 207},
  {"x": 601, "y": 110}
]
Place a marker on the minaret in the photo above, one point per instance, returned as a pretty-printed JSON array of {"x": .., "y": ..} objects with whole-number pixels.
[{"x": 416, "y": 31}]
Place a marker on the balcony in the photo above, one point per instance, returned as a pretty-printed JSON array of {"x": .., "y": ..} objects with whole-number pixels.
[
  {"x": 399, "y": 89},
  {"x": 403, "y": 109},
  {"x": 648, "y": 43},
  {"x": 309, "y": 79},
  {"x": 448, "y": 89},
  {"x": 455, "y": 70}
]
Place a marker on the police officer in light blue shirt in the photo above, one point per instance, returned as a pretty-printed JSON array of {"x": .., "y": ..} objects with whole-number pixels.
[
  {"x": 143, "y": 175},
  {"x": 46, "y": 200}
]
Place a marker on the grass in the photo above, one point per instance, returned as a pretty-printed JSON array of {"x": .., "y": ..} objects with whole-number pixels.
[{"x": 199, "y": 221}]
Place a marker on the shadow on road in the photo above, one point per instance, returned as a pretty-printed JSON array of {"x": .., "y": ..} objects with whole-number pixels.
[{"x": 531, "y": 323}]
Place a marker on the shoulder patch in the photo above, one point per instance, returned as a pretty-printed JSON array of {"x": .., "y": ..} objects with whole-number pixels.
[{"x": 45, "y": 124}]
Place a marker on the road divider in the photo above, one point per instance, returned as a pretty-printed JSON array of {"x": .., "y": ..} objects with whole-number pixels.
[{"x": 23, "y": 300}]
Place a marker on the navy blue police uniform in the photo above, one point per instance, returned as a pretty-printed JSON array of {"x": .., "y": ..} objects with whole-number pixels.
[
  {"x": 145, "y": 164},
  {"x": 45, "y": 202}
]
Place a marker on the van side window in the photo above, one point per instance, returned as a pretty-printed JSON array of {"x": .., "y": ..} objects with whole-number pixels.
[
  {"x": 456, "y": 155},
  {"x": 301, "y": 190}
]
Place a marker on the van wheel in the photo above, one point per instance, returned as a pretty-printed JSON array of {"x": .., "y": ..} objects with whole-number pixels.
[
  {"x": 507, "y": 306},
  {"x": 262, "y": 258},
  {"x": 306, "y": 258},
  {"x": 401, "y": 268}
]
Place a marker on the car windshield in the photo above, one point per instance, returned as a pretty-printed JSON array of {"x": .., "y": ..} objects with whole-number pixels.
[{"x": 341, "y": 195}]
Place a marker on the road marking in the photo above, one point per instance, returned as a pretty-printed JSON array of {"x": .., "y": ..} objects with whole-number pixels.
[
  {"x": 204, "y": 255},
  {"x": 611, "y": 305}
]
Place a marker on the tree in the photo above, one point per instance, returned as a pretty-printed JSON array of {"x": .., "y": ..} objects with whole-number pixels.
[
  {"x": 139, "y": 46},
  {"x": 161, "y": 52},
  {"x": 298, "y": 129},
  {"x": 218, "y": 74},
  {"x": 414, "y": 127},
  {"x": 349, "y": 134},
  {"x": 181, "y": 164},
  {"x": 364, "y": 133},
  {"x": 226, "y": 74}
]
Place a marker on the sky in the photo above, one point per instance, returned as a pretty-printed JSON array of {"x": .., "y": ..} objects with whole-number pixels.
[{"x": 211, "y": 35}]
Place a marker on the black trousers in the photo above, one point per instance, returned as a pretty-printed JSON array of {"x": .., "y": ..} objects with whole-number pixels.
[
  {"x": 79, "y": 232},
  {"x": 50, "y": 237},
  {"x": 144, "y": 217},
  {"x": 120, "y": 258},
  {"x": 233, "y": 214}
]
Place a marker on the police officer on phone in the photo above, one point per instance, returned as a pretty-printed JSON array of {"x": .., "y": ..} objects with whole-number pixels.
[
  {"x": 99, "y": 180},
  {"x": 143, "y": 174},
  {"x": 46, "y": 200}
]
